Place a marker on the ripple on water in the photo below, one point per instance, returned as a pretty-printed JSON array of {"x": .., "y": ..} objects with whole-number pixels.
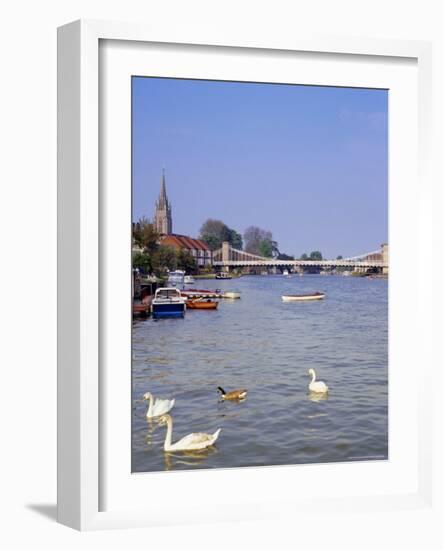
[{"x": 267, "y": 347}]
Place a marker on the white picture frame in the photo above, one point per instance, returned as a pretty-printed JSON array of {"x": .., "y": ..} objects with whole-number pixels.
[{"x": 80, "y": 259}]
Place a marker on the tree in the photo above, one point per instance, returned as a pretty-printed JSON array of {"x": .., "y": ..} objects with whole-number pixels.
[
  {"x": 286, "y": 257},
  {"x": 339, "y": 257},
  {"x": 186, "y": 261},
  {"x": 143, "y": 261},
  {"x": 265, "y": 249},
  {"x": 215, "y": 232},
  {"x": 304, "y": 257},
  {"x": 164, "y": 258},
  {"x": 212, "y": 241},
  {"x": 257, "y": 241},
  {"x": 235, "y": 239},
  {"x": 275, "y": 250},
  {"x": 145, "y": 236},
  {"x": 316, "y": 255}
]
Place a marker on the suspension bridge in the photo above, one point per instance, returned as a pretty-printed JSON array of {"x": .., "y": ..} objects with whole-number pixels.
[{"x": 227, "y": 257}]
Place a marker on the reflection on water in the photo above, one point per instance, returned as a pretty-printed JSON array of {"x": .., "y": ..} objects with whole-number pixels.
[
  {"x": 266, "y": 346},
  {"x": 188, "y": 458},
  {"x": 316, "y": 397}
]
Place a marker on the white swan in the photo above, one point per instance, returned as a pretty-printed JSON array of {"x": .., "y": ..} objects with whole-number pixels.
[
  {"x": 157, "y": 407},
  {"x": 191, "y": 442},
  {"x": 318, "y": 387}
]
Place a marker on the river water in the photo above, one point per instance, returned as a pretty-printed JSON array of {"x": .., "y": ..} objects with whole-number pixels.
[{"x": 267, "y": 346}]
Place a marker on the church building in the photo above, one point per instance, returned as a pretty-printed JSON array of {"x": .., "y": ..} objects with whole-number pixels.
[{"x": 163, "y": 225}]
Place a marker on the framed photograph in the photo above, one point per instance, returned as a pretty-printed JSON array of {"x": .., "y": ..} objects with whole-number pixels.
[{"x": 235, "y": 224}]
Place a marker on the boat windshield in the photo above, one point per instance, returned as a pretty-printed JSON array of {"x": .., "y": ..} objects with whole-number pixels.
[{"x": 167, "y": 293}]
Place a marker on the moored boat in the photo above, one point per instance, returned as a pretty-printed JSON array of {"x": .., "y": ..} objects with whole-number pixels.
[
  {"x": 303, "y": 297},
  {"x": 176, "y": 277},
  {"x": 231, "y": 295},
  {"x": 223, "y": 275},
  {"x": 191, "y": 293},
  {"x": 140, "y": 309},
  {"x": 189, "y": 280},
  {"x": 168, "y": 302},
  {"x": 286, "y": 272},
  {"x": 201, "y": 303}
]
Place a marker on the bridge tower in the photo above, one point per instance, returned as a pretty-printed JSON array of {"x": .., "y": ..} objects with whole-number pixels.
[
  {"x": 385, "y": 256},
  {"x": 226, "y": 247}
]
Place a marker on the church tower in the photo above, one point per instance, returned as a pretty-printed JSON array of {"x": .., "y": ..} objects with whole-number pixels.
[{"x": 163, "y": 211}]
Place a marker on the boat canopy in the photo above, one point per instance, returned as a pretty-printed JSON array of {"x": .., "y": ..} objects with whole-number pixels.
[{"x": 167, "y": 293}]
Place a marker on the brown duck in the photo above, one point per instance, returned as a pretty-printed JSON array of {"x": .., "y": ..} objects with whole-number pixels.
[{"x": 233, "y": 395}]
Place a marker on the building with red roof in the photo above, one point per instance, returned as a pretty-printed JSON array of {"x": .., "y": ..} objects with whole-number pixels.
[{"x": 196, "y": 247}]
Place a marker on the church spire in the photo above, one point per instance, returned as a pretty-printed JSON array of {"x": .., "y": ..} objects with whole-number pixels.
[
  {"x": 163, "y": 197},
  {"x": 163, "y": 211}
]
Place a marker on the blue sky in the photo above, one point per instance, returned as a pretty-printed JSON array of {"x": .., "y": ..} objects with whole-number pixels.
[{"x": 308, "y": 163}]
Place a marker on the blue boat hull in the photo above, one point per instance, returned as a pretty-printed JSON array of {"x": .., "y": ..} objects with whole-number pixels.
[{"x": 168, "y": 310}]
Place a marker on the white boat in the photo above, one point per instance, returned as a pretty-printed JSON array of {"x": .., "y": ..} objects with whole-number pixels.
[
  {"x": 346, "y": 273},
  {"x": 168, "y": 302},
  {"x": 189, "y": 280},
  {"x": 231, "y": 295},
  {"x": 176, "y": 277},
  {"x": 286, "y": 272},
  {"x": 223, "y": 275},
  {"x": 303, "y": 297}
]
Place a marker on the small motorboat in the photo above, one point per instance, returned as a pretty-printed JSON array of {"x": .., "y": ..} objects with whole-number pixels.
[
  {"x": 285, "y": 272},
  {"x": 168, "y": 302},
  {"x": 231, "y": 295},
  {"x": 223, "y": 275},
  {"x": 189, "y": 280},
  {"x": 176, "y": 277},
  {"x": 201, "y": 303},
  {"x": 303, "y": 297}
]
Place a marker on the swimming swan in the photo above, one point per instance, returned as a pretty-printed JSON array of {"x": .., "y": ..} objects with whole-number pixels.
[
  {"x": 157, "y": 407},
  {"x": 191, "y": 442},
  {"x": 318, "y": 387},
  {"x": 232, "y": 395}
]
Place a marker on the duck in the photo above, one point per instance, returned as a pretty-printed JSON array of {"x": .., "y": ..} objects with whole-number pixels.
[
  {"x": 191, "y": 442},
  {"x": 317, "y": 387},
  {"x": 233, "y": 395},
  {"x": 157, "y": 407}
]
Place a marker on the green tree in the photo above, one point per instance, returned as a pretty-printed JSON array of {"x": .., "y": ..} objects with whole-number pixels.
[
  {"x": 235, "y": 239},
  {"x": 265, "y": 249},
  {"x": 339, "y": 257},
  {"x": 143, "y": 261},
  {"x": 316, "y": 255},
  {"x": 164, "y": 258},
  {"x": 304, "y": 257},
  {"x": 186, "y": 261},
  {"x": 258, "y": 240},
  {"x": 215, "y": 232},
  {"x": 145, "y": 236},
  {"x": 283, "y": 256}
]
